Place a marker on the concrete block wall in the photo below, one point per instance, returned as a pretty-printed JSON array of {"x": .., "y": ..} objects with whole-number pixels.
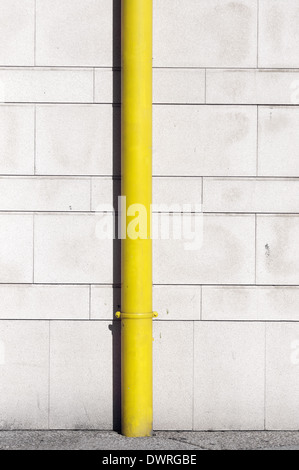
[{"x": 226, "y": 90}]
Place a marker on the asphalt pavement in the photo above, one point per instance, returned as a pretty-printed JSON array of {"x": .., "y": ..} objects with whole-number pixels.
[{"x": 172, "y": 441}]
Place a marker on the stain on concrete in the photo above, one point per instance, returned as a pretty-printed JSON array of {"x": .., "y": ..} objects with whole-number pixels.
[{"x": 233, "y": 20}]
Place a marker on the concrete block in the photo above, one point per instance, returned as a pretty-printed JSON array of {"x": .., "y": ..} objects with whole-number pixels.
[
  {"x": 74, "y": 32},
  {"x": 24, "y": 375},
  {"x": 44, "y": 194},
  {"x": 174, "y": 193},
  {"x": 16, "y": 140},
  {"x": 105, "y": 302},
  {"x": 278, "y": 33},
  {"x": 81, "y": 375},
  {"x": 34, "y": 302},
  {"x": 250, "y": 303},
  {"x": 278, "y": 141},
  {"x": 184, "y": 86},
  {"x": 204, "y": 140},
  {"x": 103, "y": 191},
  {"x": 16, "y": 248},
  {"x": 69, "y": 249},
  {"x": 282, "y": 379},
  {"x": 209, "y": 33},
  {"x": 46, "y": 85},
  {"x": 173, "y": 365},
  {"x": 17, "y": 32},
  {"x": 252, "y": 87},
  {"x": 222, "y": 250},
  {"x": 177, "y": 302},
  {"x": 250, "y": 195},
  {"x": 107, "y": 83},
  {"x": 229, "y": 376},
  {"x": 277, "y": 250},
  {"x": 74, "y": 140}
]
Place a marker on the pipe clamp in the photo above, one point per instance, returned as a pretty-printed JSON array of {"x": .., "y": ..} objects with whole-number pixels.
[{"x": 136, "y": 316}]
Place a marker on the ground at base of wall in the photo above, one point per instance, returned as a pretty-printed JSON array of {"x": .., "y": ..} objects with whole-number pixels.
[{"x": 180, "y": 441}]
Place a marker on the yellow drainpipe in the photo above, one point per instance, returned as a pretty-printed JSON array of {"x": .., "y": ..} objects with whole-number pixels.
[{"x": 136, "y": 303}]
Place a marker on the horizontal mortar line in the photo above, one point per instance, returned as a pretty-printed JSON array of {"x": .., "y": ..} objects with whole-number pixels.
[
  {"x": 229, "y": 104},
  {"x": 61, "y": 284},
  {"x": 266, "y": 105},
  {"x": 154, "y": 67},
  {"x": 228, "y": 285},
  {"x": 41, "y": 211},
  {"x": 118, "y": 104},
  {"x": 53, "y": 68},
  {"x": 276, "y": 105},
  {"x": 234, "y": 286},
  {"x": 230, "y": 68},
  {"x": 60, "y": 319},
  {"x": 87, "y": 212},
  {"x": 94, "y": 212},
  {"x": 224, "y": 321},
  {"x": 42, "y": 284},
  {"x": 157, "y": 320},
  {"x": 253, "y": 178},
  {"x": 248, "y": 213},
  {"x": 79, "y": 177},
  {"x": 118, "y": 177},
  {"x": 69, "y": 212},
  {"x": 88, "y": 68},
  {"x": 225, "y": 177},
  {"x": 59, "y": 176},
  {"x": 235, "y": 214},
  {"x": 58, "y": 103},
  {"x": 47, "y": 430},
  {"x": 118, "y": 285}
]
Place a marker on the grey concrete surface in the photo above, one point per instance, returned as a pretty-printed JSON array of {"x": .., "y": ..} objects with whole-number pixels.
[{"x": 179, "y": 441}]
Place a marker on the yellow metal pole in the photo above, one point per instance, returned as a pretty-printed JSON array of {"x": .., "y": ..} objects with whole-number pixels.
[{"x": 136, "y": 315}]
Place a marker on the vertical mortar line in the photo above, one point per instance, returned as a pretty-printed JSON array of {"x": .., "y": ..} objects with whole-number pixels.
[
  {"x": 205, "y": 86},
  {"x": 34, "y": 33},
  {"x": 94, "y": 85},
  {"x": 202, "y": 182},
  {"x": 255, "y": 248},
  {"x": 34, "y": 143},
  {"x": 33, "y": 248},
  {"x": 89, "y": 301},
  {"x": 257, "y": 140},
  {"x": 201, "y": 303},
  {"x": 258, "y": 32},
  {"x": 90, "y": 194}
]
